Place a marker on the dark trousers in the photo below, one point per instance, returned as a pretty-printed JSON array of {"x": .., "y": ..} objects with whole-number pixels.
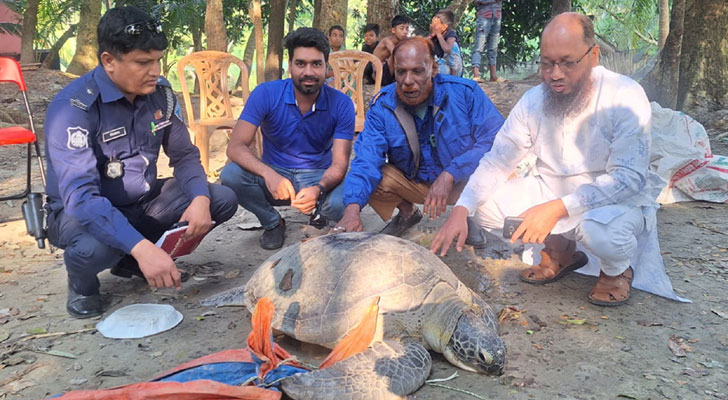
[{"x": 85, "y": 256}]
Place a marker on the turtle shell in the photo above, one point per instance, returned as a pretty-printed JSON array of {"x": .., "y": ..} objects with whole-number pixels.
[{"x": 322, "y": 287}]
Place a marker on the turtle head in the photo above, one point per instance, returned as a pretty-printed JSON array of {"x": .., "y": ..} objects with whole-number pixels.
[{"x": 475, "y": 346}]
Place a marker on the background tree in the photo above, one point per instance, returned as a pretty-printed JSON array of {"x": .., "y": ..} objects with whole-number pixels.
[
  {"x": 255, "y": 12},
  {"x": 276, "y": 26},
  {"x": 381, "y": 12},
  {"x": 560, "y": 6},
  {"x": 664, "y": 27},
  {"x": 30, "y": 18},
  {"x": 85, "y": 58},
  {"x": 215, "y": 26},
  {"x": 704, "y": 55},
  {"x": 330, "y": 12},
  {"x": 661, "y": 83}
]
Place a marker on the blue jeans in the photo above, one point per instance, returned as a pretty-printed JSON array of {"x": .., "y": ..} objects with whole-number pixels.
[
  {"x": 253, "y": 194},
  {"x": 486, "y": 30},
  {"x": 85, "y": 256},
  {"x": 452, "y": 64}
]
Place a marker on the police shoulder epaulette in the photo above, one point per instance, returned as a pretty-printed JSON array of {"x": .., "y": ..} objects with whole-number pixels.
[{"x": 86, "y": 95}]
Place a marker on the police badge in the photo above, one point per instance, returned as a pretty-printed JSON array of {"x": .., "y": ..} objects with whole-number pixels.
[
  {"x": 114, "y": 169},
  {"x": 77, "y": 138}
]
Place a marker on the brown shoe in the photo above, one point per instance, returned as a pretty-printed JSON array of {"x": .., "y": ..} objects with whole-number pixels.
[
  {"x": 555, "y": 264},
  {"x": 612, "y": 291}
]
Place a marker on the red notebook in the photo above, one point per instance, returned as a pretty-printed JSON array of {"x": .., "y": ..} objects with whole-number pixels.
[{"x": 173, "y": 243}]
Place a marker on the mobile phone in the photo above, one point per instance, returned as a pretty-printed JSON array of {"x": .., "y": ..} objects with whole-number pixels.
[{"x": 510, "y": 224}]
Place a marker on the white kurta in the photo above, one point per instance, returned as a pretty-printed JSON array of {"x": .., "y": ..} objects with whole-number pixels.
[{"x": 597, "y": 158}]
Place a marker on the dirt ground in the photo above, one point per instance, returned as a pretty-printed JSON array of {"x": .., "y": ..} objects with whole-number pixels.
[{"x": 559, "y": 345}]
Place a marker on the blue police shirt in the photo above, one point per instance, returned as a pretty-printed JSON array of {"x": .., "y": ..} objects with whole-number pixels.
[
  {"x": 293, "y": 140},
  {"x": 89, "y": 123}
]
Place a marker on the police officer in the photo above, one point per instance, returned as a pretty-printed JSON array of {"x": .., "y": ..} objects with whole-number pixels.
[{"x": 103, "y": 136}]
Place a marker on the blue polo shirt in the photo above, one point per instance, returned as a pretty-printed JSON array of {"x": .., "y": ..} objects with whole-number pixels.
[{"x": 293, "y": 140}]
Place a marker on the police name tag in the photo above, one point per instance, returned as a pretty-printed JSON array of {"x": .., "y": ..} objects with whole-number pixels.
[
  {"x": 160, "y": 126},
  {"x": 113, "y": 134}
]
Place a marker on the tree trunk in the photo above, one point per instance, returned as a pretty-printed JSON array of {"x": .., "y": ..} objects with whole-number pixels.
[
  {"x": 381, "y": 12},
  {"x": 30, "y": 19},
  {"x": 332, "y": 12},
  {"x": 85, "y": 58},
  {"x": 215, "y": 26},
  {"x": 560, "y": 6},
  {"x": 316, "y": 13},
  {"x": 703, "y": 75},
  {"x": 661, "y": 83},
  {"x": 458, "y": 8},
  {"x": 53, "y": 52},
  {"x": 664, "y": 26},
  {"x": 276, "y": 25},
  {"x": 291, "y": 15},
  {"x": 258, "y": 24},
  {"x": 249, "y": 51}
]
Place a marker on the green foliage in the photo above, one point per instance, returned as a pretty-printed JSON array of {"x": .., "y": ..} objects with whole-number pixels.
[
  {"x": 618, "y": 20},
  {"x": 521, "y": 26}
]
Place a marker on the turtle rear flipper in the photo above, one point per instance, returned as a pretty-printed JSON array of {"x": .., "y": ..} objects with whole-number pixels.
[{"x": 386, "y": 370}]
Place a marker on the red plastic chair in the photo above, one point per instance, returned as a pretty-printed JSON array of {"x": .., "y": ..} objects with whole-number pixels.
[{"x": 14, "y": 135}]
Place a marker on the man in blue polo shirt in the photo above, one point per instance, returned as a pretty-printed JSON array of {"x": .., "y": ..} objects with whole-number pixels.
[{"x": 307, "y": 132}]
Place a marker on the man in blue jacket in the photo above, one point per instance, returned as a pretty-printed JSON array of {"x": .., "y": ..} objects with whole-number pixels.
[
  {"x": 422, "y": 139},
  {"x": 103, "y": 136}
]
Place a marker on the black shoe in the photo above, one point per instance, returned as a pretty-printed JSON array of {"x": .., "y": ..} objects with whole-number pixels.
[
  {"x": 399, "y": 225},
  {"x": 475, "y": 235},
  {"x": 80, "y": 306},
  {"x": 273, "y": 238},
  {"x": 128, "y": 267}
]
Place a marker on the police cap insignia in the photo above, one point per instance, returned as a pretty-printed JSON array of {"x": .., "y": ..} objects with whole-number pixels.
[{"x": 77, "y": 138}]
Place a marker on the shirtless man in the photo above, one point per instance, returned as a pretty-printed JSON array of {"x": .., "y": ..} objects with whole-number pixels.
[{"x": 400, "y": 30}]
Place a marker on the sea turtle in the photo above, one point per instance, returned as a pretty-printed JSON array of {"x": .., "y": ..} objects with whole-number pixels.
[{"x": 322, "y": 287}]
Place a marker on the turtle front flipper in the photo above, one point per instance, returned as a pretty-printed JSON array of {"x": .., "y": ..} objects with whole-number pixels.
[
  {"x": 232, "y": 297},
  {"x": 386, "y": 370}
]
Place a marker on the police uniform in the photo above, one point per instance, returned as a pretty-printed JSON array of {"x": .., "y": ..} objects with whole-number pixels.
[{"x": 104, "y": 195}]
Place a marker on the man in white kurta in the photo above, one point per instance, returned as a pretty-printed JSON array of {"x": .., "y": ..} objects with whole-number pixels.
[{"x": 589, "y": 129}]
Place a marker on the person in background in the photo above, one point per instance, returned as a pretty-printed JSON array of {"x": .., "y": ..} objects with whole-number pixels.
[
  {"x": 336, "y": 38},
  {"x": 445, "y": 40},
  {"x": 371, "y": 40},
  {"x": 487, "y": 33},
  {"x": 400, "y": 30}
]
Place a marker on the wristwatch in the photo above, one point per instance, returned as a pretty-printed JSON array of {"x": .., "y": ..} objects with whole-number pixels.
[{"x": 321, "y": 188}]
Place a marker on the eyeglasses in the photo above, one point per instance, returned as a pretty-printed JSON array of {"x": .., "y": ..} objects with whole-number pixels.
[
  {"x": 566, "y": 66},
  {"x": 137, "y": 27}
]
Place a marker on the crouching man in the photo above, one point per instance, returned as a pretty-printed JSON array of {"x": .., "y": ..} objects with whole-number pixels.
[
  {"x": 422, "y": 138},
  {"x": 307, "y": 131},
  {"x": 103, "y": 135},
  {"x": 590, "y": 131}
]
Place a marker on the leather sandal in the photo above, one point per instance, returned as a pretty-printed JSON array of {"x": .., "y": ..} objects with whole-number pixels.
[
  {"x": 612, "y": 291},
  {"x": 554, "y": 266}
]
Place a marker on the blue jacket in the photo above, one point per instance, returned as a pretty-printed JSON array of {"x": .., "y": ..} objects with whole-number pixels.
[
  {"x": 464, "y": 130},
  {"x": 91, "y": 122}
]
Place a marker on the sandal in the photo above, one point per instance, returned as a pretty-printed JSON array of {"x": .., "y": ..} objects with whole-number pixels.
[
  {"x": 399, "y": 224},
  {"x": 550, "y": 270},
  {"x": 612, "y": 291}
]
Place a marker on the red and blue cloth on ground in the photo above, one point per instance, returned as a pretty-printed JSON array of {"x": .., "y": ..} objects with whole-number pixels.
[{"x": 259, "y": 367}]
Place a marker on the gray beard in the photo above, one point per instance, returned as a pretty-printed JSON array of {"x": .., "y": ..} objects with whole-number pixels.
[{"x": 557, "y": 105}]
